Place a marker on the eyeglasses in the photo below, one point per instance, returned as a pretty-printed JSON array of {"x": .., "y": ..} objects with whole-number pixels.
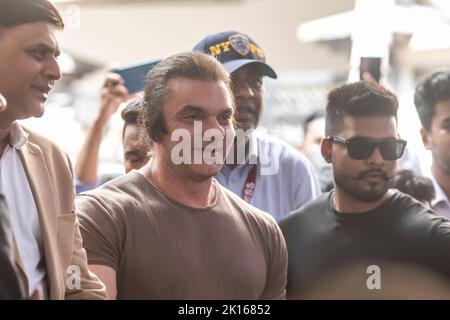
[{"x": 362, "y": 148}]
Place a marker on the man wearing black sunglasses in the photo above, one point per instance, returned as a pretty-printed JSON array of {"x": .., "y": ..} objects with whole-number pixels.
[{"x": 362, "y": 222}]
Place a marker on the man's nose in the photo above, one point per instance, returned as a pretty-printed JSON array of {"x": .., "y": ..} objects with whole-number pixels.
[
  {"x": 376, "y": 157},
  {"x": 52, "y": 70},
  {"x": 214, "y": 125},
  {"x": 243, "y": 90}
]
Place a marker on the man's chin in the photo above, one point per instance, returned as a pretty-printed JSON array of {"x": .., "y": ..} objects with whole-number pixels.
[
  {"x": 371, "y": 193},
  {"x": 35, "y": 111},
  {"x": 369, "y": 196},
  {"x": 39, "y": 111},
  {"x": 365, "y": 193},
  {"x": 207, "y": 171}
]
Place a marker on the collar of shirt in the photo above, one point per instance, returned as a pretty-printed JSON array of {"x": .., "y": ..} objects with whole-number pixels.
[
  {"x": 440, "y": 194},
  {"x": 17, "y": 136}
]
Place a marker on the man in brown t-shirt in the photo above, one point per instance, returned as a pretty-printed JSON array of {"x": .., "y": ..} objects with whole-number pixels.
[{"x": 169, "y": 230}]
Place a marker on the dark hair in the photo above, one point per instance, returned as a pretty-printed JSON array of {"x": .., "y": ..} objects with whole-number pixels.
[
  {"x": 363, "y": 98},
  {"x": 190, "y": 65},
  {"x": 130, "y": 114},
  {"x": 17, "y": 12},
  {"x": 434, "y": 88},
  {"x": 318, "y": 114},
  {"x": 418, "y": 187}
]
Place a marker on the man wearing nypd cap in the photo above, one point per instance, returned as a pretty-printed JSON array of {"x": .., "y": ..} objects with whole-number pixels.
[{"x": 270, "y": 174}]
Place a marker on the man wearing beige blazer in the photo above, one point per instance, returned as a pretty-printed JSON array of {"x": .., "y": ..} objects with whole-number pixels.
[{"x": 35, "y": 175}]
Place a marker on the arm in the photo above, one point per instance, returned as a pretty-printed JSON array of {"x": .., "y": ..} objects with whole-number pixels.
[
  {"x": 277, "y": 264},
  {"x": 112, "y": 95},
  {"x": 103, "y": 231},
  {"x": 90, "y": 286},
  {"x": 108, "y": 276}
]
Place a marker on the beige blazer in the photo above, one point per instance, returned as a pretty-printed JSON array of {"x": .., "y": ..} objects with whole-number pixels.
[{"x": 50, "y": 177}]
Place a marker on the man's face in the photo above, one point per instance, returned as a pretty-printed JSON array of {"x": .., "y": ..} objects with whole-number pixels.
[
  {"x": 438, "y": 140},
  {"x": 205, "y": 102},
  {"x": 135, "y": 155},
  {"x": 365, "y": 180},
  {"x": 315, "y": 131},
  {"x": 248, "y": 91},
  {"x": 28, "y": 68}
]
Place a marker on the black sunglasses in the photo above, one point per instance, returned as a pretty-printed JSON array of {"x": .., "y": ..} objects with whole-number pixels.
[{"x": 362, "y": 148}]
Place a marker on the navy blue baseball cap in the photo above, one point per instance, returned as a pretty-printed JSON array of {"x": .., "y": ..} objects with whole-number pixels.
[{"x": 235, "y": 50}]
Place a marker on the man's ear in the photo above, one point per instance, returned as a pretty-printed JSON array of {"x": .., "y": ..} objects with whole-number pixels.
[
  {"x": 326, "y": 149},
  {"x": 426, "y": 138}
]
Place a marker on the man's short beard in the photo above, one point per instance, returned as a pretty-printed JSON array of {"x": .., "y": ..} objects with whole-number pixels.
[{"x": 361, "y": 195}]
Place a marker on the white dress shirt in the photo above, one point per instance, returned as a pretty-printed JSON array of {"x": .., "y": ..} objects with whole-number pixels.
[{"x": 440, "y": 203}]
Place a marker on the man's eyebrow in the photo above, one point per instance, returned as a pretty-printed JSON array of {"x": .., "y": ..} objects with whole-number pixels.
[
  {"x": 191, "y": 108},
  {"x": 446, "y": 120},
  {"x": 370, "y": 138},
  {"x": 48, "y": 48},
  {"x": 227, "y": 110},
  {"x": 131, "y": 153}
]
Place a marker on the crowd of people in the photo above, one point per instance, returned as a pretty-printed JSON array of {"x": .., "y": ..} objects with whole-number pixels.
[{"x": 208, "y": 208}]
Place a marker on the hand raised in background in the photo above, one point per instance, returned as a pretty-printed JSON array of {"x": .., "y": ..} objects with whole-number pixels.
[{"x": 113, "y": 94}]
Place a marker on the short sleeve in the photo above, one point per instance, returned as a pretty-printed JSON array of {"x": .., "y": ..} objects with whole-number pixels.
[
  {"x": 277, "y": 265},
  {"x": 103, "y": 230}
]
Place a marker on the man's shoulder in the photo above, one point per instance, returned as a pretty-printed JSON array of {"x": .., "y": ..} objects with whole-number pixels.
[
  {"x": 406, "y": 205},
  {"x": 415, "y": 219},
  {"x": 44, "y": 143},
  {"x": 117, "y": 194},
  {"x": 311, "y": 208},
  {"x": 57, "y": 161},
  {"x": 246, "y": 208}
]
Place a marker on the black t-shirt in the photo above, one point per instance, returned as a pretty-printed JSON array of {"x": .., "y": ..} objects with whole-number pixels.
[{"x": 401, "y": 230}]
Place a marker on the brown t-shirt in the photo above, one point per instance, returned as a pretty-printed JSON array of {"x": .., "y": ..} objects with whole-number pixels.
[{"x": 162, "y": 249}]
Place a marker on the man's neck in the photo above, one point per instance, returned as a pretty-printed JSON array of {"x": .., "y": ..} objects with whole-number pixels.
[
  {"x": 194, "y": 194},
  {"x": 442, "y": 178},
  {"x": 343, "y": 202}
]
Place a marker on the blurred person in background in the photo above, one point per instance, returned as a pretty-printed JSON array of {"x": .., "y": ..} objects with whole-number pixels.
[
  {"x": 35, "y": 175},
  {"x": 362, "y": 218},
  {"x": 136, "y": 149},
  {"x": 419, "y": 187},
  {"x": 113, "y": 94},
  {"x": 292, "y": 182},
  {"x": 314, "y": 131},
  {"x": 432, "y": 100}
]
